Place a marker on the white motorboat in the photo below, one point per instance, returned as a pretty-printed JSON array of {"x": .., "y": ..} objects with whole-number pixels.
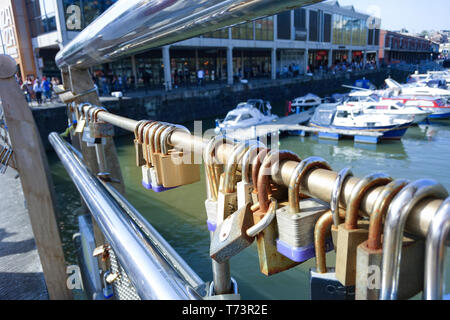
[
  {"x": 353, "y": 119},
  {"x": 246, "y": 114},
  {"x": 370, "y": 103},
  {"x": 305, "y": 105}
]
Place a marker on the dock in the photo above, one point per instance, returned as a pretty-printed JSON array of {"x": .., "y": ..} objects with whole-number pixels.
[
  {"x": 21, "y": 275},
  {"x": 295, "y": 124}
]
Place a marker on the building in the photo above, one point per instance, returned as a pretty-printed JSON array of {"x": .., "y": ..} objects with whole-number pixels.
[
  {"x": 311, "y": 38},
  {"x": 444, "y": 50},
  {"x": 398, "y": 47}
]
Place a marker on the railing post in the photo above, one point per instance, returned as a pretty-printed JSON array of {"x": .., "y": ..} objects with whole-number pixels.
[{"x": 37, "y": 185}]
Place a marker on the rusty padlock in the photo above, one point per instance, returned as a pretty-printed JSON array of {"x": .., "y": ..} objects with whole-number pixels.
[
  {"x": 101, "y": 129},
  {"x": 352, "y": 233},
  {"x": 394, "y": 226},
  {"x": 174, "y": 171},
  {"x": 369, "y": 252},
  {"x": 335, "y": 199},
  {"x": 296, "y": 221},
  {"x": 323, "y": 282},
  {"x": 270, "y": 260},
  {"x": 256, "y": 165}
]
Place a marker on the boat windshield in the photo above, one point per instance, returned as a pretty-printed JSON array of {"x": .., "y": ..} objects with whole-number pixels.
[
  {"x": 231, "y": 117},
  {"x": 324, "y": 115}
]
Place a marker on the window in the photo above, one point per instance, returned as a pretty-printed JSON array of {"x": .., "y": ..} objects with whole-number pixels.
[
  {"x": 243, "y": 31},
  {"x": 377, "y": 37},
  {"x": 342, "y": 114},
  {"x": 370, "y": 42},
  {"x": 264, "y": 29},
  {"x": 80, "y": 13},
  {"x": 246, "y": 116},
  {"x": 300, "y": 24},
  {"x": 284, "y": 25},
  {"x": 41, "y": 15},
  {"x": 219, "y": 34},
  {"x": 313, "y": 26},
  {"x": 327, "y": 28}
]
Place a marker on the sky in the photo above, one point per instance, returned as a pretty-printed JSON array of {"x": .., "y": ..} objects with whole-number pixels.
[{"x": 414, "y": 15}]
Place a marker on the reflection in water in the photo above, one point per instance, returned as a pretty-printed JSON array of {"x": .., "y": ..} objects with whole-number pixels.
[{"x": 179, "y": 215}]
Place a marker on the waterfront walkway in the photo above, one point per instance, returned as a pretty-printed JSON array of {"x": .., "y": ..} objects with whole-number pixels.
[{"x": 21, "y": 275}]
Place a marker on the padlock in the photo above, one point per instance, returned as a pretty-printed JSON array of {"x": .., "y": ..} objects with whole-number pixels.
[
  {"x": 351, "y": 233},
  {"x": 335, "y": 199},
  {"x": 108, "y": 291},
  {"x": 230, "y": 236},
  {"x": 296, "y": 221},
  {"x": 212, "y": 180},
  {"x": 323, "y": 282},
  {"x": 102, "y": 129},
  {"x": 270, "y": 260},
  {"x": 245, "y": 188},
  {"x": 256, "y": 165},
  {"x": 81, "y": 122},
  {"x": 147, "y": 181},
  {"x": 138, "y": 145},
  {"x": 369, "y": 252},
  {"x": 176, "y": 173},
  {"x": 394, "y": 226}
]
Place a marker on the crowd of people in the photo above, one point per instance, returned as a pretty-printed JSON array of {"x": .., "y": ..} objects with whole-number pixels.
[{"x": 39, "y": 90}]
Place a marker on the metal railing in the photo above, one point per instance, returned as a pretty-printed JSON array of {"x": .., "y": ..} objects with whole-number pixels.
[{"x": 157, "y": 274}]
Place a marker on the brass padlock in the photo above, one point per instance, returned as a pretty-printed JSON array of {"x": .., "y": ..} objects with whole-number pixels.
[
  {"x": 143, "y": 134},
  {"x": 138, "y": 145},
  {"x": 270, "y": 260},
  {"x": 351, "y": 233},
  {"x": 335, "y": 199},
  {"x": 296, "y": 221},
  {"x": 174, "y": 169},
  {"x": 394, "y": 227},
  {"x": 213, "y": 172},
  {"x": 245, "y": 188},
  {"x": 151, "y": 150},
  {"x": 369, "y": 252},
  {"x": 323, "y": 282}
]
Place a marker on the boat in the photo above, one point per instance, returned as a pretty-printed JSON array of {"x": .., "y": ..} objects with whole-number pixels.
[
  {"x": 246, "y": 114},
  {"x": 305, "y": 105},
  {"x": 353, "y": 119},
  {"x": 371, "y": 103},
  {"x": 439, "y": 107}
]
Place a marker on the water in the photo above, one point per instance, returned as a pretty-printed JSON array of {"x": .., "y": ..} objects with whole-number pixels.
[{"x": 180, "y": 217}]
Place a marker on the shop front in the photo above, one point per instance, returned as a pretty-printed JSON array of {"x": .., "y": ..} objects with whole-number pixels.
[
  {"x": 340, "y": 56},
  {"x": 252, "y": 63},
  {"x": 318, "y": 60},
  {"x": 357, "y": 56}
]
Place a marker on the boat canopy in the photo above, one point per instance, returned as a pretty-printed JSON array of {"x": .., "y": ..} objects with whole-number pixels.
[{"x": 324, "y": 114}]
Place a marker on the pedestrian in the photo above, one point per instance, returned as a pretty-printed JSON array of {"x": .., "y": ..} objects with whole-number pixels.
[
  {"x": 200, "y": 76},
  {"x": 26, "y": 92},
  {"x": 37, "y": 88},
  {"x": 46, "y": 88}
]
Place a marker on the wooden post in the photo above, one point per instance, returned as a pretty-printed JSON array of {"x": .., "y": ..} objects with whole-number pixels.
[{"x": 31, "y": 162}]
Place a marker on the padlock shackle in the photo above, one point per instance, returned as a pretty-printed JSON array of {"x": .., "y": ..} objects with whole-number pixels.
[
  {"x": 274, "y": 157},
  {"x": 336, "y": 194},
  {"x": 435, "y": 253},
  {"x": 248, "y": 157},
  {"x": 394, "y": 227},
  {"x": 136, "y": 131},
  {"x": 157, "y": 137},
  {"x": 146, "y": 141},
  {"x": 322, "y": 227},
  {"x": 358, "y": 192},
  {"x": 297, "y": 177},
  {"x": 166, "y": 134},
  {"x": 256, "y": 165},
  {"x": 142, "y": 127},
  {"x": 265, "y": 221},
  {"x": 380, "y": 209},
  {"x": 151, "y": 136},
  {"x": 97, "y": 111},
  {"x": 238, "y": 151}
]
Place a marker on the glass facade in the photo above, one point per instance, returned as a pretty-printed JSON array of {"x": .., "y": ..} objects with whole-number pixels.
[
  {"x": 243, "y": 31},
  {"x": 79, "y": 14},
  {"x": 314, "y": 26},
  {"x": 349, "y": 31},
  {"x": 42, "y": 16},
  {"x": 300, "y": 24},
  {"x": 264, "y": 29},
  {"x": 219, "y": 34}
]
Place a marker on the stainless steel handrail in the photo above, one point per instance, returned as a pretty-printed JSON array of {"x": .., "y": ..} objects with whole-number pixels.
[
  {"x": 133, "y": 26},
  {"x": 149, "y": 271}
]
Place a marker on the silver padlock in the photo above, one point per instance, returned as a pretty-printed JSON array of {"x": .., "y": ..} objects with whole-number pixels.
[
  {"x": 108, "y": 291},
  {"x": 394, "y": 227},
  {"x": 296, "y": 221}
]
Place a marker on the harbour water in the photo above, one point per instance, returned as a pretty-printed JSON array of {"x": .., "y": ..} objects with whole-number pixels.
[{"x": 180, "y": 217}]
